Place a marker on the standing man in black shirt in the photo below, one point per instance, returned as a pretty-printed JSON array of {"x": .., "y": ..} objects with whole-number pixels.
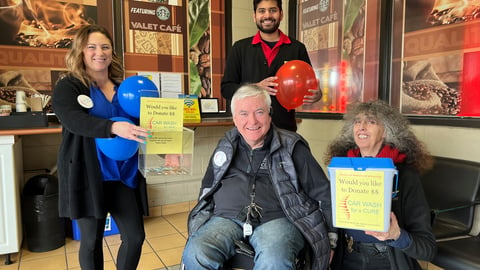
[{"x": 256, "y": 60}]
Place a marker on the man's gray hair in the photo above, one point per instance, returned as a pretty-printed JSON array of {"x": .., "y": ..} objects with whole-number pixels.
[{"x": 250, "y": 90}]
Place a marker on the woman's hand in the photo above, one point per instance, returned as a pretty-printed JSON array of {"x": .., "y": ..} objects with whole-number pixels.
[
  {"x": 393, "y": 232},
  {"x": 130, "y": 131}
]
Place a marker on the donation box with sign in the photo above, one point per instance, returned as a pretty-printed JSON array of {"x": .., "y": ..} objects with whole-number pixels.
[
  {"x": 169, "y": 149},
  {"x": 362, "y": 191}
]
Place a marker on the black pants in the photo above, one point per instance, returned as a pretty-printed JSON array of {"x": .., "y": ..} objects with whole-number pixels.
[
  {"x": 121, "y": 202},
  {"x": 366, "y": 256}
]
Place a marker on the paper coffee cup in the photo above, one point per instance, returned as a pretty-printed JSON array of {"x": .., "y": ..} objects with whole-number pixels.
[
  {"x": 20, "y": 97},
  {"x": 20, "y": 107},
  {"x": 5, "y": 110},
  {"x": 35, "y": 104}
]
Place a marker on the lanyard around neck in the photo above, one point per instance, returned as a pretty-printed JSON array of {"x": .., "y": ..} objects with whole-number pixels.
[{"x": 253, "y": 210}]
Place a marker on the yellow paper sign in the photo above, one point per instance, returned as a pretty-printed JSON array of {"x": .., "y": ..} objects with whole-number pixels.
[
  {"x": 191, "y": 110},
  {"x": 164, "y": 117},
  {"x": 360, "y": 200},
  {"x": 161, "y": 114}
]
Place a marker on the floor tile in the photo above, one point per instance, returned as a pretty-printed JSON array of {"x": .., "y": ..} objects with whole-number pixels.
[
  {"x": 159, "y": 228},
  {"x": 56, "y": 262},
  {"x": 178, "y": 221},
  {"x": 167, "y": 242},
  {"x": 113, "y": 239},
  {"x": 72, "y": 260},
  {"x": 3, "y": 266},
  {"x": 161, "y": 250},
  {"x": 171, "y": 257},
  {"x": 72, "y": 245},
  {"x": 27, "y": 255},
  {"x": 150, "y": 261}
]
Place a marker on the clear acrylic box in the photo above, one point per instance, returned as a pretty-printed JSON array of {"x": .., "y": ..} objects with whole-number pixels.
[{"x": 167, "y": 154}]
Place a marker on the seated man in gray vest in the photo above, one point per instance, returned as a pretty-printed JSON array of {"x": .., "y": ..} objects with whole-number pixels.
[{"x": 264, "y": 188}]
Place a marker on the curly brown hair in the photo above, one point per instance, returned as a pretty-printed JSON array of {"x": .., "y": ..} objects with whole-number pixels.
[
  {"x": 74, "y": 57},
  {"x": 398, "y": 134}
]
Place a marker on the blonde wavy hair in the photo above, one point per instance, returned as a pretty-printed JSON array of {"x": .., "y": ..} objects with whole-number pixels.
[
  {"x": 397, "y": 130},
  {"x": 74, "y": 57}
]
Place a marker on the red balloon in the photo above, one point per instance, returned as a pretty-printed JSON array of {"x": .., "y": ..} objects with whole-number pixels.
[{"x": 295, "y": 78}]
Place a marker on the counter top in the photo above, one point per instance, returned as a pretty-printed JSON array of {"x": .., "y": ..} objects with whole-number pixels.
[
  {"x": 57, "y": 128},
  {"x": 211, "y": 122},
  {"x": 51, "y": 129}
]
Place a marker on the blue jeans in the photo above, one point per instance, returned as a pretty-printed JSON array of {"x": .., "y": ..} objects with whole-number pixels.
[{"x": 276, "y": 244}]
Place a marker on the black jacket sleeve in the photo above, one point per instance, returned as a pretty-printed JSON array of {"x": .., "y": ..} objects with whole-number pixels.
[
  {"x": 72, "y": 115},
  {"x": 413, "y": 214},
  {"x": 313, "y": 180}
]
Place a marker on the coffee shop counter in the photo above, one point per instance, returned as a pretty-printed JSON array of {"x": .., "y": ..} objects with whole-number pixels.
[
  {"x": 57, "y": 128},
  {"x": 52, "y": 128}
]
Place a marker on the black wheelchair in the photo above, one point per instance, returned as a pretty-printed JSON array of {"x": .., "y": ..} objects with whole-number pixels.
[{"x": 243, "y": 259}]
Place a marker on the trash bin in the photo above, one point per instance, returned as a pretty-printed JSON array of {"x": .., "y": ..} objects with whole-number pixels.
[{"x": 44, "y": 229}]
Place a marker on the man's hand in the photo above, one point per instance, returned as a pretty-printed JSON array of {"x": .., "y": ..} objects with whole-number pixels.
[
  {"x": 393, "y": 232},
  {"x": 314, "y": 97},
  {"x": 269, "y": 84}
]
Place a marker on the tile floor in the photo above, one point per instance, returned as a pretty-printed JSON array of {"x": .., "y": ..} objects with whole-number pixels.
[{"x": 162, "y": 249}]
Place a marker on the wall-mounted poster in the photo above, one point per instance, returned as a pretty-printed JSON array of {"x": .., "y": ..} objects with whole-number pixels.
[
  {"x": 199, "y": 47},
  {"x": 436, "y": 53},
  {"x": 155, "y": 34},
  {"x": 34, "y": 37},
  {"x": 342, "y": 39},
  {"x": 43, "y": 23},
  {"x": 177, "y": 36}
]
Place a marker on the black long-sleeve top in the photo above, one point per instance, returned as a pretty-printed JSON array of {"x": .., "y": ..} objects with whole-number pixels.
[{"x": 246, "y": 63}]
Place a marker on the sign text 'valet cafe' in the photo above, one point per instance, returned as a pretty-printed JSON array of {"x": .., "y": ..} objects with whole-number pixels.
[{"x": 156, "y": 17}]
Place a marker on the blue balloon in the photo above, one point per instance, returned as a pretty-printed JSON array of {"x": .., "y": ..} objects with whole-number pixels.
[
  {"x": 131, "y": 90},
  {"x": 117, "y": 148}
]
